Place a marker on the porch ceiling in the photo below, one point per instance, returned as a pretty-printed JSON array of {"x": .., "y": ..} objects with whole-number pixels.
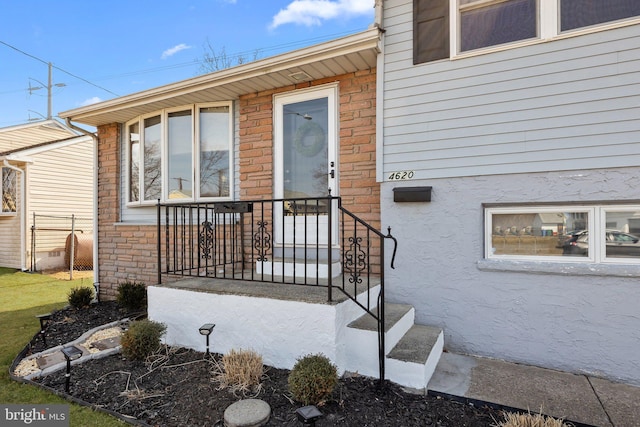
[{"x": 345, "y": 55}]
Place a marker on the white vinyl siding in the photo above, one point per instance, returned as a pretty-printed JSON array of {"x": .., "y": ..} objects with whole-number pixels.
[
  {"x": 569, "y": 104},
  {"x": 60, "y": 181}
]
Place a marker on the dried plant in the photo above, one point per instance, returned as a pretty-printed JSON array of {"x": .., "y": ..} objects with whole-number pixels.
[
  {"x": 530, "y": 420},
  {"x": 240, "y": 371}
]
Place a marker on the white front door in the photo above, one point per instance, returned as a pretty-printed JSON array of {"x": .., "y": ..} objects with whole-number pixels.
[{"x": 305, "y": 132}]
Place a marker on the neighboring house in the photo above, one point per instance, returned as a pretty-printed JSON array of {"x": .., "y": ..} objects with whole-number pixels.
[
  {"x": 47, "y": 169},
  {"x": 513, "y": 129},
  {"x": 446, "y": 130}
]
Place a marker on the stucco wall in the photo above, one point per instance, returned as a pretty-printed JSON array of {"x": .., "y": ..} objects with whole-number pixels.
[{"x": 569, "y": 317}]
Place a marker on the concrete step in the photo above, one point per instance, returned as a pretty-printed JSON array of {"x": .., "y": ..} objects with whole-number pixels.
[
  {"x": 361, "y": 337},
  {"x": 413, "y": 360},
  {"x": 297, "y": 267},
  {"x": 393, "y": 313}
]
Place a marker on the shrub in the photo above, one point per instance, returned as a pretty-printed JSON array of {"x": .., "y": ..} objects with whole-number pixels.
[
  {"x": 132, "y": 295},
  {"x": 142, "y": 338},
  {"x": 240, "y": 370},
  {"x": 80, "y": 297},
  {"x": 312, "y": 379},
  {"x": 529, "y": 420}
]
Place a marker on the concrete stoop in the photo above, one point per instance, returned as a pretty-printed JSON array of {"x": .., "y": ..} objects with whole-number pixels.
[
  {"x": 284, "y": 323},
  {"x": 412, "y": 351}
]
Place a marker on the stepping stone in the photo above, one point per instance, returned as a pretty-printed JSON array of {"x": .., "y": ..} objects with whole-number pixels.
[{"x": 247, "y": 413}]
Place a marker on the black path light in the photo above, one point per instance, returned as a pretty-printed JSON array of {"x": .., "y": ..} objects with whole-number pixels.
[
  {"x": 206, "y": 330},
  {"x": 70, "y": 353},
  {"x": 308, "y": 415},
  {"x": 44, "y": 322}
]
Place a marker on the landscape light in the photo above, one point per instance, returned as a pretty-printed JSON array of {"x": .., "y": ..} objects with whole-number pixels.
[
  {"x": 44, "y": 322},
  {"x": 206, "y": 330},
  {"x": 308, "y": 415},
  {"x": 70, "y": 353}
]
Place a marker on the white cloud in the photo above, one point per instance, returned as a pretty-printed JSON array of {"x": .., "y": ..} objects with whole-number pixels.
[
  {"x": 90, "y": 101},
  {"x": 172, "y": 51},
  {"x": 313, "y": 12}
]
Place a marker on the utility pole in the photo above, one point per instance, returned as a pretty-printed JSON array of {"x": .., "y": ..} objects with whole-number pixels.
[{"x": 48, "y": 86}]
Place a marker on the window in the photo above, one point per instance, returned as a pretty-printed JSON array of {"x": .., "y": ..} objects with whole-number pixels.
[
  {"x": 489, "y": 23},
  {"x": 180, "y": 155},
  {"x": 9, "y": 190},
  {"x": 584, "y": 13},
  {"x": 444, "y": 28},
  {"x": 564, "y": 233}
]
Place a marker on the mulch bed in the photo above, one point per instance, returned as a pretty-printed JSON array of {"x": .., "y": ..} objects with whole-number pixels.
[{"x": 176, "y": 388}]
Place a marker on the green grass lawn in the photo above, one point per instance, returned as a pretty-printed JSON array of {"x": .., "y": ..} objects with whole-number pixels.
[{"x": 23, "y": 297}]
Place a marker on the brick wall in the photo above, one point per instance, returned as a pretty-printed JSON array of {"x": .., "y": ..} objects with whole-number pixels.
[
  {"x": 125, "y": 252},
  {"x": 357, "y": 162},
  {"x": 128, "y": 252}
]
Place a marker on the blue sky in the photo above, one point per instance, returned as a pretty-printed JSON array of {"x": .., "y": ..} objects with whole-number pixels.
[{"x": 104, "y": 49}]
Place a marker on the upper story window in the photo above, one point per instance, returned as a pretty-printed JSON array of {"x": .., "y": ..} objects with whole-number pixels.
[
  {"x": 585, "y": 13},
  {"x": 180, "y": 154},
  {"x": 446, "y": 28},
  {"x": 489, "y": 22},
  {"x": 595, "y": 234},
  {"x": 9, "y": 191}
]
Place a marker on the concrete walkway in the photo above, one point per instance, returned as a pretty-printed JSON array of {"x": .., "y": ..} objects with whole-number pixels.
[{"x": 581, "y": 399}]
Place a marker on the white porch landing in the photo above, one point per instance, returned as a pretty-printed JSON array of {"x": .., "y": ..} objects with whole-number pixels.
[{"x": 285, "y": 322}]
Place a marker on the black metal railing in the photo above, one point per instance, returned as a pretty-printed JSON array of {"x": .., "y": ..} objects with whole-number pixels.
[{"x": 294, "y": 241}]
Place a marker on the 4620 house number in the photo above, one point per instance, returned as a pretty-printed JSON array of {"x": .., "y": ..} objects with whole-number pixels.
[{"x": 402, "y": 175}]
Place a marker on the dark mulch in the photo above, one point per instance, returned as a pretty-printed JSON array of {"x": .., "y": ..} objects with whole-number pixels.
[{"x": 175, "y": 388}]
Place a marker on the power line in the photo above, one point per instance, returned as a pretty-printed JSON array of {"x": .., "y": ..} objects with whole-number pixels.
[
  {"x": 57, "y": 68},
  {"x": 180, "y": 65}
]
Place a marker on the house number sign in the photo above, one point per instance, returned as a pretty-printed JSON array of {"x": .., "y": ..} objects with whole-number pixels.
[{"x": 401, "y": 175}]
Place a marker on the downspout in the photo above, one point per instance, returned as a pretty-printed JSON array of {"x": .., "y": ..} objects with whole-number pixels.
[
  {"x": 23, "y": 226},
  {"x": 378, "y": 23},
  {"x": 96, "y": 265}
]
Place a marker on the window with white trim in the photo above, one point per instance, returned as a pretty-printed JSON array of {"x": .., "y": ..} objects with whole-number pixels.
[
  {"x": 444, "y": 28},
  {"x": 9, "y": 191},
  {"x": 182, "y": 154},
  {"x": 595, "y": 234}
]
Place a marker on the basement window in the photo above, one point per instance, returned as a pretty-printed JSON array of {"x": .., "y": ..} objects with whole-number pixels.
[{"x": 568, "y": 234}]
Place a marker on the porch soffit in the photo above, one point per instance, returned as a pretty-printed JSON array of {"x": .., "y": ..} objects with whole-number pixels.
[{"x": 346, "y": 55}]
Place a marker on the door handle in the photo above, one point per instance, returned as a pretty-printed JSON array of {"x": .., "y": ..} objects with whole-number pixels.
[{"x": 332, "y": 173}]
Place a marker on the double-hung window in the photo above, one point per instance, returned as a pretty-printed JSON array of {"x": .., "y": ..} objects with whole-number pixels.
[
  {"x": 465, "y": 26},
  {"x": 181, "y": 154},
  {"x": 585, "y": 233},
  {"x": 9, "y": 191}
]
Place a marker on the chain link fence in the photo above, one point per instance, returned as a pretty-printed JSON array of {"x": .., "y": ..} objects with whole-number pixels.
[{"x": 61, "y": 243}]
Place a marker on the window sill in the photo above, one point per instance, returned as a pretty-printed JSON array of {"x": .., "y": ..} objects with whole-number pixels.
[{"x": 559, "y": 268}]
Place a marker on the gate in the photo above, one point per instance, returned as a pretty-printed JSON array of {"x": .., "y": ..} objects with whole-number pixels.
[{"x": 61, "y": 243}]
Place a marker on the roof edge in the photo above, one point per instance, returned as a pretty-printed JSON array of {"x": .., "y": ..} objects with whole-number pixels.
[{"x": 363, "y": 40}]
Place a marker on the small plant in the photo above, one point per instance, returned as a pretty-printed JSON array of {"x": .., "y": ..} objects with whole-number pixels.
[
  {"x": 132, "y": 295},
  {"x": 530, "y": 420},
  {"x": 142, "y": 339},
  {"x": 241, "y": 371},
  {"x": 80, "y": 297},
  {"x": 312, "y": 379}
]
